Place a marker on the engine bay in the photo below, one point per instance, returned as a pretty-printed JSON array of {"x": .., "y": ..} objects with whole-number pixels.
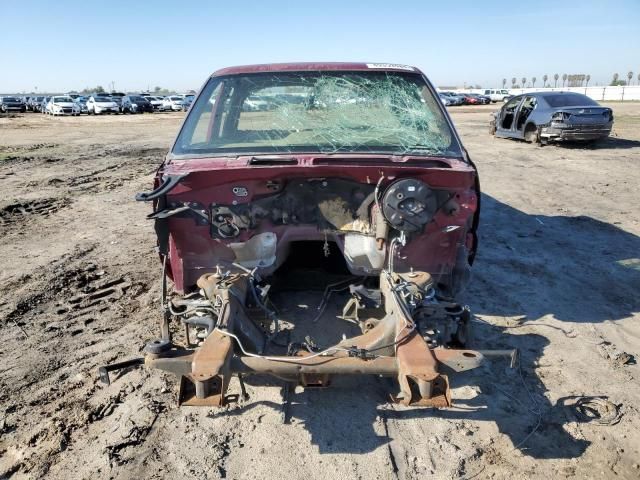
[{"x": 304, "y": 278}]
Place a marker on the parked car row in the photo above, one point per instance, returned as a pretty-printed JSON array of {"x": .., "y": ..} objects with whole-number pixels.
[
  {"x": 95, "y": 104},
  {"x": 451, "y": 98}
]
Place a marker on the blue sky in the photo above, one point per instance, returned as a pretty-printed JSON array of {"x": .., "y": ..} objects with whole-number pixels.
[{"x": 67, "y": 44}]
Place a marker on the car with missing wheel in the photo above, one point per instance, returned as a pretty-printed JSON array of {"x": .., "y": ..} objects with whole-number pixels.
[
  {"x": 327, "y": 235},
  {"x": 543, "y": 117}
]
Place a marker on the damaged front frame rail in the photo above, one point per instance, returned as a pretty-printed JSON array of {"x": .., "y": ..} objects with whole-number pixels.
[{"x": 393, "y": 347}]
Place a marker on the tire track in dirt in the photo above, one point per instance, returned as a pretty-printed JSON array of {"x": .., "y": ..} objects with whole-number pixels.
[
  {"x": 79, "y": 294},
  {"x": 21, "y": 212},
  {"x": 74, "y": 312}
]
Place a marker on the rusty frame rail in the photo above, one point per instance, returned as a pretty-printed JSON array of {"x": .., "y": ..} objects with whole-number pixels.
[{"x": 393, "y": 347}]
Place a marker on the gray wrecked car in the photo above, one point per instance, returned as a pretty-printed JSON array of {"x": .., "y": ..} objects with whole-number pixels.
[{"x": 543, "y": 117}]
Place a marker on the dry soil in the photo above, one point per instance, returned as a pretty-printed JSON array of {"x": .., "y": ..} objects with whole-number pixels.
[{"x": 557, "y": 276}]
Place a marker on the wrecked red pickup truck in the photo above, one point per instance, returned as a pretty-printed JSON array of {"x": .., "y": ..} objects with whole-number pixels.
[{"x": 292, "y": 187}]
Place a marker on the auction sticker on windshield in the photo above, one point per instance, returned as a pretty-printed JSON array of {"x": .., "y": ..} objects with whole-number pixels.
[{"x": 396, "y": 66}]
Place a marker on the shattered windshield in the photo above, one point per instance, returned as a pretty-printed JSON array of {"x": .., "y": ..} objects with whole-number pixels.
[{"x": 327, "y": 112}]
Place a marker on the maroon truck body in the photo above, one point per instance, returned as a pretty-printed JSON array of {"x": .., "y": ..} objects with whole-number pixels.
[
  {"x": 360, "y": 156},
  {"x": 441, "y": 249}
]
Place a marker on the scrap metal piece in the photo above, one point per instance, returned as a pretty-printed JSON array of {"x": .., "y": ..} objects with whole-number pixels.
[
  {"x": 103, "y": 371},
  {"x": 243, "y": 389},
  {"x": 286, "y": 401},
  {"x": 350, "y": 310}
]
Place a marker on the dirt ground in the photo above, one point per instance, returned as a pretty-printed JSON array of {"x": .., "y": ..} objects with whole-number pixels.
[{"x": 557, "y": 276}]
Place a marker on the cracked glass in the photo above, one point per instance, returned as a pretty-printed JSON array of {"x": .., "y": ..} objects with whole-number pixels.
[{"x": 325, "y": 112}]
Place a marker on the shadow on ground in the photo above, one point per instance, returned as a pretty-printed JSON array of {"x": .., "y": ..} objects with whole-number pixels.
[
  {"x": 343, "y": 419},
  {"x": 602, "y": 144},
  {"x": 614, "y": 143},
  {"x": 528, "y": 266},
  {"x": 577, "y": 269}
]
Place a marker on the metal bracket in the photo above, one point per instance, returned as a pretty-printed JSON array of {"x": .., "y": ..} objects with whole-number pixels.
[{"x": 105, "y": 369}]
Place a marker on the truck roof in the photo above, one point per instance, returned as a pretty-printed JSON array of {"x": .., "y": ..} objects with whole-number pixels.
[{"x": 313, "y": 66}]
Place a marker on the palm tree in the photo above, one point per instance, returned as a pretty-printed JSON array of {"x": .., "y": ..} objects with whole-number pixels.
[
  {"x": 587, "y": 78},
  {"x": 564, "y": 79},
  {"x": 524, "y": 81},
  {"x": 545, "y": 77},
  {"x": 533, "y": 82},
  {"x": 629, "y": 76},
  {"x": 513, "y": 82},
  {"x": 615, "y": 79},
  {"x": 639, "y": 79},
  {"x": 555, "y": 77},
  {"x": 504, "y": 82}
]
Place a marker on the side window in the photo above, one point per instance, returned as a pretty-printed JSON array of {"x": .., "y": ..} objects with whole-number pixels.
[
  {"x": 487, "y": 92},
  {"x": 512, "y": 104},
  {"x": 529, "y": 103},
  {"x": 201, "y": 132},
  {"x": 508, "y": 113},
  {"x": 527, "y": 107}
]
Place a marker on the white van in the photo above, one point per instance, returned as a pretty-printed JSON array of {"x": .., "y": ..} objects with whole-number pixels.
[{"x": 496, "y": 95}]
